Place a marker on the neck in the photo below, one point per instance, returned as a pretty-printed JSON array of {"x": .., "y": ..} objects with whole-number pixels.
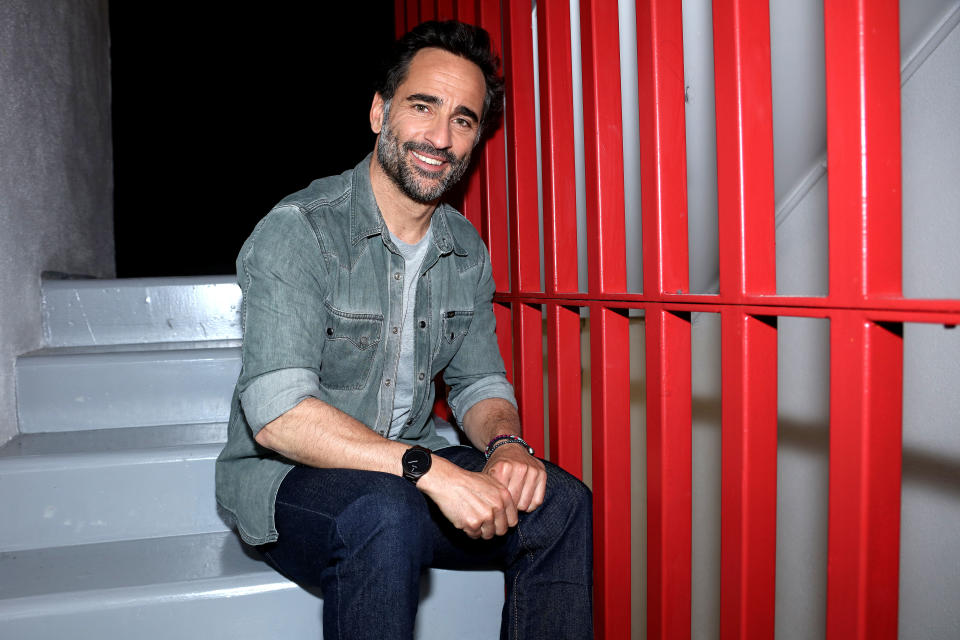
[{"x": 406, "y": 218}]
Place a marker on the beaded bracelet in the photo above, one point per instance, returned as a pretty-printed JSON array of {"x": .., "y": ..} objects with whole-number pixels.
[{"x": 506, "y": 438}]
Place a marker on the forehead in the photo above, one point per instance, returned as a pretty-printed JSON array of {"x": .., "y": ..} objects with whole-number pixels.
[{"x": 454, "y": 79}]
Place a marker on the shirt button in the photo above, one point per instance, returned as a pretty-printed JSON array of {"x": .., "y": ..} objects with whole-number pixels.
[
  {"x": 450, "y": 314},
  {"x": 397, "y": 275},
  {"x": 422, "y": 375},
  {"x": 394, "y": 330},
  {"x": 423, "y": 324},
  {"x": 409, "y": 422},
  {"x": 386, "y": 382},
  {"x": 329, "y": 331}
]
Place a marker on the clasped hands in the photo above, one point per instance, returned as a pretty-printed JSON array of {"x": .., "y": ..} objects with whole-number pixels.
[{"x": 486, "y": 503}]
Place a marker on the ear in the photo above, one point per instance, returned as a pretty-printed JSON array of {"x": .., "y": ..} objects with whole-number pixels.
[{"x": 376, "y": 113}]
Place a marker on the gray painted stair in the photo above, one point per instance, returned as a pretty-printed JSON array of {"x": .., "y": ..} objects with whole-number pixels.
[{"x": 115, "y": 530}]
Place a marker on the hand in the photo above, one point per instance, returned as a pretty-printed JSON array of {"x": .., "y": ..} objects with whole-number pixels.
[
  {"x": 523, "y": 475},
  {"x": 475, "y": 503}
]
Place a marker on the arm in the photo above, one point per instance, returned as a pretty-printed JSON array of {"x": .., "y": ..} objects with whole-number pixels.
[
  {"x": 317, "y": 434},
  {"x": 522, "y": 474}
]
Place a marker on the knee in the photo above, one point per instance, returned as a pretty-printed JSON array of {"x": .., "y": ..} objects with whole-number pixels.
[
  {"x": 567, "y": 509},
  {"x": 391, "y": 514}
]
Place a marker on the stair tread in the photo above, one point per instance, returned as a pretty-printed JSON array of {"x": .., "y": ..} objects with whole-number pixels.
[
  {"x": 127, "y": 564},
  {"x": 131, "y": 348},
  {"x": 99, "y": 441}
]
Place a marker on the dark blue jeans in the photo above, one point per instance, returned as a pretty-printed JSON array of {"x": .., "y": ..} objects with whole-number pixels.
[{"x": 364, "y": 538}]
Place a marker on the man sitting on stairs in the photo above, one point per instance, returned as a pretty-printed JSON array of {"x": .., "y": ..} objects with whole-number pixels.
[{"x": 357, "y": 291}]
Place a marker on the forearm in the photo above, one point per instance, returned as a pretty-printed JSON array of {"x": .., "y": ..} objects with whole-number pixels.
[
  {"x": 318, "y": 434},
  {"x": 490, "y": 418}
]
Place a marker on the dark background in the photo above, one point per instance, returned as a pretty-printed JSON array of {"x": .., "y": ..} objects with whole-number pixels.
[{"x": 218, "y": 113}]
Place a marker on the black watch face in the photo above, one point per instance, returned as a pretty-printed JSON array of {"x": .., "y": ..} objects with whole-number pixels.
[{"x": 416, "y": 462}]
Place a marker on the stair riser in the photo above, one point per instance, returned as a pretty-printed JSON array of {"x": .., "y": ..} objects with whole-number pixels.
[
  {"x": 90, "y": 312},
  {"x": 105, "y": 391},
  {"x": 73, "y": 500}
]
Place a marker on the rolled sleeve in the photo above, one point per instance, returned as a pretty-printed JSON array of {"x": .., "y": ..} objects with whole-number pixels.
[
  {"x": 271, "y": 395},
  {"x": 494, "y": 386}
]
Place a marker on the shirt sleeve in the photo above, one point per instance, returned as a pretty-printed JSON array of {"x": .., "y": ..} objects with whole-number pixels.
[
  {"x": 282, "y": 274},
  {"x": 476, "y": 372},
  {"x": 271, "y": 395}
]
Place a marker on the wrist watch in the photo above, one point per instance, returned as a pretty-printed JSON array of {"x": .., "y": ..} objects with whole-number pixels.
[{"x": 416, "y": 462}]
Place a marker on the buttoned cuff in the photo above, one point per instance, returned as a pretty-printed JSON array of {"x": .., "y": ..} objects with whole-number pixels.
[
  {"x": 493, "y": 386},
  {"x": 271, "y": 395}
]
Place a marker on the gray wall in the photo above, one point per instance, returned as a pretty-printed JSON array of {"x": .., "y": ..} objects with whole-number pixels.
[{"x": 56, "y": 166}]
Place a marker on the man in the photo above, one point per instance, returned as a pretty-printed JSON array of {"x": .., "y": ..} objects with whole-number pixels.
[{"x": 357, "y": 291}]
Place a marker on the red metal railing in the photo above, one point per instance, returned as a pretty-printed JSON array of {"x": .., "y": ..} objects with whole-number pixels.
[{"x": 865, "y": 306}]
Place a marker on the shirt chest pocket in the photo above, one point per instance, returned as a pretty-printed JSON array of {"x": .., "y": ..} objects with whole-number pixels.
[
  {"x": 350, "y": 345},
  {"x": 454, "y": 327}
]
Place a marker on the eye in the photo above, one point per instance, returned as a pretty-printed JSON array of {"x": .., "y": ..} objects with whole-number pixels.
[
  {"x": 463, "y": 123},
  {"x": 421, "y": 108}
]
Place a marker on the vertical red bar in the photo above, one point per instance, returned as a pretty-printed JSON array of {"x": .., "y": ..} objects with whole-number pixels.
[
  {"x": 603, "y": 145},
  {"x": 563, "y": 366},
  {"x": 445, "y": 10},
  {"x": 428, "y": 10},
  {"x": 556, "y": 147},
  {"x": 467, "y": 11},
  {"x": 399, "y": 17},
  {"x": 528, "y": 370},
  {"x": 669, "y": 474},
  {"x": 494, "y": 194},
  {"x": 504, "y": 337},
  {"x": 610, "y": 421},
  {"x": 663, "y": 166},
  {"x": 745, "y": 190},
  {"x": 520, "y": 123},
  {"x": 413, "y": 13},
  {"x": 862, "y": 42},
  {"x": 748, "y": 548},
  {"x": 866, "y": 385}
]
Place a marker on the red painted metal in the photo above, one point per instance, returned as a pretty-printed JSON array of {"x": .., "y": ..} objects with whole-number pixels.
[
  {"x": 399, "y": 17},
  {"x": 520, "y": 123},
  {"x": 748, "y": 535},
  {"x": 413, "y": 13},
  {"x": 428, "y": 10},
  {"x": 745, "y": 192},
  {"x": 557, "y": 149},
  {"x": 563, "y": 366},
  {"x": 528, "y": 371},
  {"x": 603, "y": 146},
  {"x": 504, "y": 337},
  {"x": 663, "y": 166},
  {"x": 863, "y": 147},
  {"x": 467, "y": 11},
  {"x": 866, "y": 380},
  {"x": 610, "y": 420},
  {"x": 669, "y": 474},
  {"x": 445, "y": 10}
]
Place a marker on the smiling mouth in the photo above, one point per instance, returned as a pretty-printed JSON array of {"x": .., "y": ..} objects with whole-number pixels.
[{"x": 427, "y": 160}]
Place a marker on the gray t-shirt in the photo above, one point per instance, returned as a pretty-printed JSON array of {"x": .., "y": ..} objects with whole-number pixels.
[{"x": 403, "y": 396}]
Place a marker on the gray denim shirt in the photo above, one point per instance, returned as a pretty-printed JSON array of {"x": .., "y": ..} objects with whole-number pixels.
[{"x": 321, "y": 281}]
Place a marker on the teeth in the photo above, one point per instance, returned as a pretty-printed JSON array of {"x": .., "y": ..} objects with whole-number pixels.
[{"x": 426, "y": 159}]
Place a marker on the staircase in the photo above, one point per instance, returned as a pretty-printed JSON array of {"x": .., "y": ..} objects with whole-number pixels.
[{"x": 108, "y": 523}]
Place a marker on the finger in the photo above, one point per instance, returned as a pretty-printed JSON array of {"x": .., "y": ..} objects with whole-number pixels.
[{"x": 539, "y": 492}]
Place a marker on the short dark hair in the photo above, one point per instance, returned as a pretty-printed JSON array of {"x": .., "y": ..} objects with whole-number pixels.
[{"x": 464, "y": 40}]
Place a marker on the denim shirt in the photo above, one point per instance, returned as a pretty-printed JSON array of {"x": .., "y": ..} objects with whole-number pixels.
[{"x": 322, "y": 290}]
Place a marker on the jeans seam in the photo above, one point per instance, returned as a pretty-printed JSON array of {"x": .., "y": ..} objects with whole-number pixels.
[{"x": 516, "y": 578}]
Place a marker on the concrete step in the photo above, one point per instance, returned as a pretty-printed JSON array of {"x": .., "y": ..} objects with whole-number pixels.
[
  {"x": 82, "y": 487},
  {"x": 140, "y": 310},
  {"x": 114, "y": 386},
  {"x": 201, "y": 586}
]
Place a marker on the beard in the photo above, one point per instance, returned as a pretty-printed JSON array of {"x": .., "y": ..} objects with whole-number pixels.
[{"x": 416, "y": 183}]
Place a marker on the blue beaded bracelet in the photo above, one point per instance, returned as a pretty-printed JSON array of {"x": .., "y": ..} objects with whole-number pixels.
[{"x": 506, "y": 438}]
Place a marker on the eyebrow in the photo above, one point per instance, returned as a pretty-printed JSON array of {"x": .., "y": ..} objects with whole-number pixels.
[{"x": 430, "y": 99}]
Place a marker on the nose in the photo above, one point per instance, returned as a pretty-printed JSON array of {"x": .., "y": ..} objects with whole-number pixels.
[{"x": 438, "y": 134}]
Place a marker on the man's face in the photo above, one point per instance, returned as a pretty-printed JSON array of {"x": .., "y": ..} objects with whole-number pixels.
[{"x": 429, "y": 128}]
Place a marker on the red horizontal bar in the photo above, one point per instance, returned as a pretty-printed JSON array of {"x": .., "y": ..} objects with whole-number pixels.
[
  {"x": 521, "y": 125},
  {"x": 557, "y": 147},
  {"x": 745, "y": 193},
  {"x": 610, "y": 428},
  {"x": 862, "y": 41},
  {"x": 663, "y": 156},
  {"x": 603, "y": 146},
  {"x": 669, "y": 475},
  {"x": 748, "y": 536},
  {"x": 563, "y": 367},
  {"x": 866, "y": 386}
]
